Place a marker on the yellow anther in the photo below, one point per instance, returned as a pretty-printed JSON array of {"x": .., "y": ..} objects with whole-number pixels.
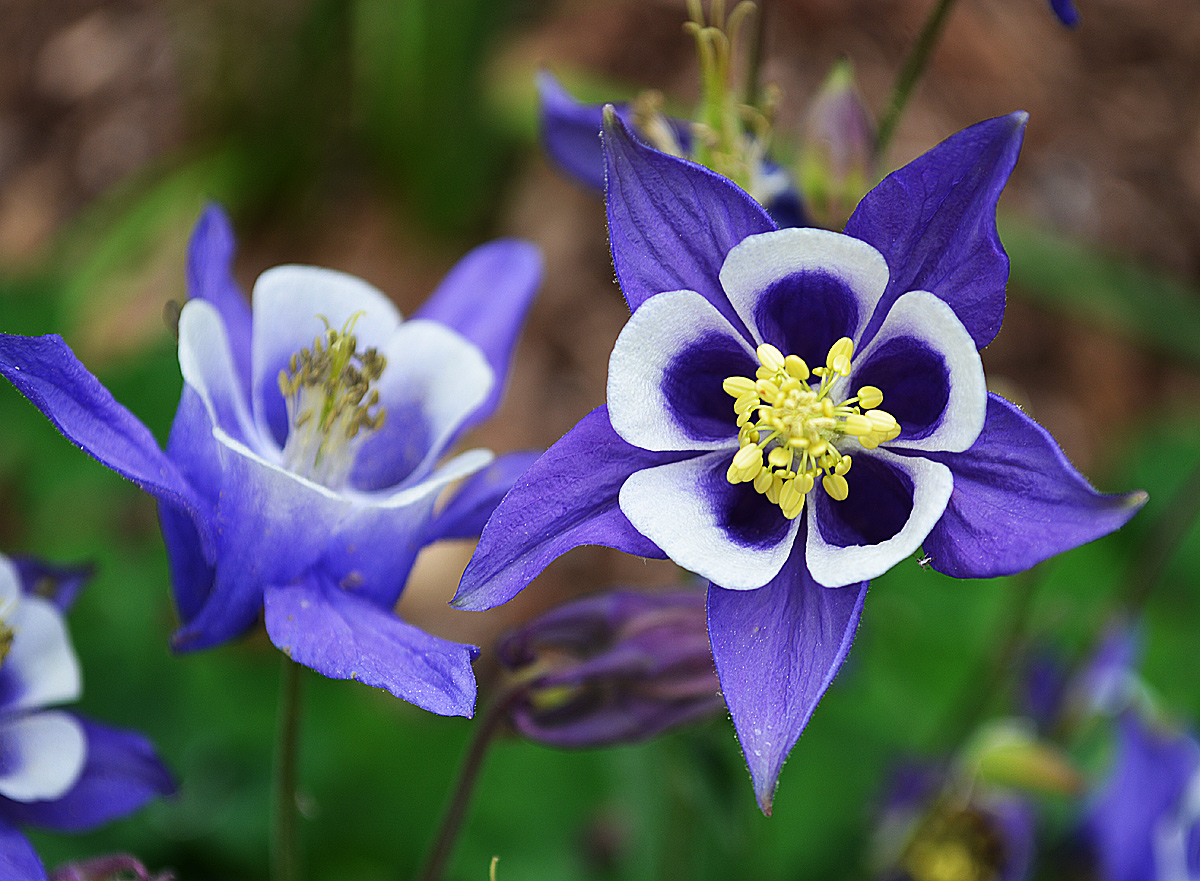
[
  {"x": 771, "y": 357},
  {"x": 843, "y": 466},
  {"x": 767, "y": 390},
  {"x": 857, "y": 425},
  {"x": 869, "y": 397},
  {"x": 739, "y": 386},
  {"x": 795, "y": 367},
  {"x": 840, "y": 353},
  {"x": 774, "y": 489},
  {"x": 763, "y": 481},
  {"x": 780, "y": 457},
  {"x": 836, "y": 485}
]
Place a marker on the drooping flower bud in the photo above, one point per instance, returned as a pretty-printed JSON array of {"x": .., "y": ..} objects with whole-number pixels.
[{"x": 616, "y": 667}]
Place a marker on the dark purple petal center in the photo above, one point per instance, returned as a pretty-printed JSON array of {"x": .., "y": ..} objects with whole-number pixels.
[
  {"x": 915, "y": 382},
  {"x": 745, "y": 515},
  {"x": 805, "y": 313},
  {"x": 879, "y": 504},
  {"x": 692, "y": 386}
]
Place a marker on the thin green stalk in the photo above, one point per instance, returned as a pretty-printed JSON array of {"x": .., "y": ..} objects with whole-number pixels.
[
  {"x": 1170, "y": 529},
  {"x": 754, "y": 62},
  {"x": 489, "y": 725},
  {"x": 285, "y": 858},
  {"x": 910, "y": 74}
]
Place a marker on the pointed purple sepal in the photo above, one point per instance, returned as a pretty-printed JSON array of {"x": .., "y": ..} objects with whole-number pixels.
[
  {"x": 46, "y": 371},
  {"x": 934, "y": 221},
  {"x": 568, "y": 498},
  {"x": 122, "y": 772},
  {"x": 18, "y": 860},
  {"x": 777, "y": 649},
  {"x": 342, "y": 636},
  {"x": 468, "y": 510},
  {"x": 671, "y": 222},
  {"x": 1017, "y": 501},
  {"x": 58, "y": 584},
  {"x": 485, "y": 297},
  {"x": 210, "y": 277}
]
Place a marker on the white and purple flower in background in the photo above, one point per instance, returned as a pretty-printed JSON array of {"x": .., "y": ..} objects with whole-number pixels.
[
  {"x": 307, "y": 454},
  {"x": 58, "y": 770},
  {"x": 758, "y": 366}
]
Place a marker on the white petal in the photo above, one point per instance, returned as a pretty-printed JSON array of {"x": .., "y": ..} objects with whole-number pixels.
[
  {"x": 43, "y": 755},
  {"x": 434, "y": 379},
  {"x": 10, "y": 586},
  {"x": 639, "y": 371},
  {"x": 679, "y": 507},
  {"x": 206, "y": 362},
  {"x": 289, "y": 303},
  {"x": 922, "y": 316},
  {"x": 758, "y": 261},
  {"x": 835, "y": 566},
  {"x": 41, "y": 667}
]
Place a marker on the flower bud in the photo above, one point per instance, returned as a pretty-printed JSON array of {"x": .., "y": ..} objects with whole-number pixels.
[{"x": 616, "y": 667}]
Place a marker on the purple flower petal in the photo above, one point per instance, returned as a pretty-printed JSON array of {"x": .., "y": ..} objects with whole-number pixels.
[
  {"x": 724, "y": 532},
  {"x": 468, "y": 510},
  {"x": 566, "y": 499},
  {"x": 571, "y": 132},
  {"x": 121, "y": 774},
  {"x": 1066, "y": 12},
  {"x": 666, "y": 372},
  {"x": 18, "y": 860},
  {"x": 210, "y": 277},
  {"x": 47, "y": 372},
  {"x": 58, "y": 584},
  {"x": 671, "y": 222},
  {"x": 934, "y": 221},
  {"x": 1017, "y": 501},
  {"x": 343, "y": 636},
  {"x": 485, "y": 297},
  {"x": 777, "y": 650}
]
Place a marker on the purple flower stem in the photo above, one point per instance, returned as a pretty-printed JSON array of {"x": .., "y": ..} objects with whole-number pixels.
[
  {"x": 910, "y": 74},
  {"x": 491, "y": 721},
  {"x": 285, "y": 858}
]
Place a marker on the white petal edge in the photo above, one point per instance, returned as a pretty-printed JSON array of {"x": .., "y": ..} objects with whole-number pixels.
[
  {"x": 661, "y": 328},
  {"x": 41, "y": 662},
  {"x": 289, "y": 302},
  {"x": 923, "y": 316},
  {"x": 441, "y": 371},
  {"x": 44, "y": 756},
  {"x": 760, "y": 260},
  {"x": 10, "y": 586},
  {"x": 834, "y": 566},
  {"x": 206, "y": 362},
  {"x": 664, "y": 504}
]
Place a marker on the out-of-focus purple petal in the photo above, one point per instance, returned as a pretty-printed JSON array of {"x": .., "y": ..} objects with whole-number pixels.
[
  {"x": 210, "y": 277},
  {"x": 1151, "y": 772},
  {"x": 58, "y": 584},
  {"x": 18, "y": 860},
  {"x": 934, "y": 221},
  {"x": 777, "y": 650},
  {"x": 1014, "y": 821},
  {"x": 343, "y": 636},
  {"x": 1066, "y": 12},
  {"x": 485, "y": 297},
  {"x": 1017, "y": 501},
  {"x": 571, "y": 132},
  {"x": 46, "y": 371},
  {"x": 671, "y": 222},
  {"x": 122, "y": 772},
  {"x": 468, "y": 510},
  {"x": 566, "y": 499}
]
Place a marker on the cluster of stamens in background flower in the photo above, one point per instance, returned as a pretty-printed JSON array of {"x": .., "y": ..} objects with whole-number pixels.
[
  {"x": 329, "y": 403},
  {"x": 6, "y": 632},
  {"x": 796, "y": 426}
]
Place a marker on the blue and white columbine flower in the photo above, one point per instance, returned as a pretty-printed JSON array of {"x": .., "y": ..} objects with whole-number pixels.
[
  {"x": 306, "y": 457},
  {"x": 792, "y": 412},
  {"x": 59, "y": 771}
]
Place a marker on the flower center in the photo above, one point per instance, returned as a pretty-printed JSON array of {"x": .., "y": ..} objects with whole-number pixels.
[
  {"x": 329, "y": 401},
  {"x": 797, "y": 427}
]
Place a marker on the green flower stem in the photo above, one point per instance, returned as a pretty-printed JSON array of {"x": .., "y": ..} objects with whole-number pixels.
[
  {"x": 285, "y": 859},
  {"x": 754, "y": 62},
  {"x": 910, "y": 74},
  {"x": 1156, "y": 552},
  {"x": 490, "y": 723}
]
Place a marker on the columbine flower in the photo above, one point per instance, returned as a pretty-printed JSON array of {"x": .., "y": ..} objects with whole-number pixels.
[
  {"x": 1144, "y": 824},
  {"x": 304, "y": 462},
  {"x": 617, "y": 667},
  {"x": 793, "y": 412},
  {"x": 60, "y": 771}
]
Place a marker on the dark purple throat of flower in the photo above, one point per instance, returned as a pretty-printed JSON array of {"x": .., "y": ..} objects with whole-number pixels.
[
  {"x": 331, "y": 404},
  {"x": 798, "y": 427}
]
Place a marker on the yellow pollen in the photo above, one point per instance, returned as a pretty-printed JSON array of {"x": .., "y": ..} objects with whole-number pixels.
[{"x": 788, "y": 430}]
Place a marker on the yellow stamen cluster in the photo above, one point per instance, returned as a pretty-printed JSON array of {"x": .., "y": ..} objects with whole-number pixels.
[
  {"x": 795, "y": 427},
  {"x": 329, "y": 395}
]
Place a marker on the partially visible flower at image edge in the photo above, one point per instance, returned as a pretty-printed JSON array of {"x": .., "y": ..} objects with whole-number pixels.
[
  {"x": 721, "y": 448},
  {"x": 61, "y": 771},
  {"x": 306, "y": 457}
]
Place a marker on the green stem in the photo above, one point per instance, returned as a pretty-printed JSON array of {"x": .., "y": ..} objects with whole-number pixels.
[
  {"x": 1170, "y": 529},
  {"x": 754, "y": 62},
  {"x": 285, "y": 862},
  {"x": 490, "y": 724},
  {"x": 910, "y": 74}
]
